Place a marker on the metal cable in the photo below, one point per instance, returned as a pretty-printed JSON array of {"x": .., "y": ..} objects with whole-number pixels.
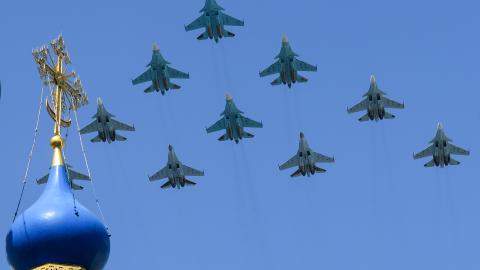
[
  {"x": 88, "y": 171},
  {"x": 30, "y": 155}
]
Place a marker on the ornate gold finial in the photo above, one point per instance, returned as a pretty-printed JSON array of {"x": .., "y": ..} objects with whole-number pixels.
[{"x": 66, "y": 95}]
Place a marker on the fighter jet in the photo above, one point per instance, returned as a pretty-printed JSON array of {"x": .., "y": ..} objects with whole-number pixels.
[
  {"x": 441, "y": 150},
  {"x": 233, "y": 122},
  {"x": 305, "y": 159},
  {"x": 105, "y": 125},
  {"x": 72, "y": 175},
  {"x": 159, "y": 73},
  {"x": 176, "y": 172},
  {"x": 375, "y": 103},
  {"x": 287, "y": 66},
  {"x": 214, "y": 22}
]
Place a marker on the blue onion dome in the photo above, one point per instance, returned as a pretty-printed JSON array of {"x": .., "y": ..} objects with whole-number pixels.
[{"x": 52, "y": 231}]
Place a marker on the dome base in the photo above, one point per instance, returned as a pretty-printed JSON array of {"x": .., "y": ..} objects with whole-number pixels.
[{"x": 53, "y": 266}]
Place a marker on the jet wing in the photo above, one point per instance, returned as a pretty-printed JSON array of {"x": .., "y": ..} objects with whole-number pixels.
[
  {"x": 198, "y": 23},
  {"x": 188, "y": 171},
  {"x": 247, "y": 122},
  {"x": 144, "y": 77},
  {"x": 425, "y": 153},
  {"x": 92, "y": 127},
  {"x": 457, "y": 150},
  {"x": 302, "y": 66},
  {"x": 219, "y": 125},
  {"x": 321, "y": 158},
  {"x": 290, "y": 163},
  {"x": 163, "y": 173},
  {"x": 116, "y": 125},
  {"x": 77, "y": 176},
  {"x": 274, "y": 68},
  {"x": 363, "y": 105},
  {"x": 388, "y": 103},
  {"x": 229, "y": 20},
  {"x": 173, "y": 73}
]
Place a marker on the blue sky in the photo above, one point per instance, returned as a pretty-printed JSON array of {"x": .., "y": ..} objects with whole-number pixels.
[{"x": 375, "y": 208}]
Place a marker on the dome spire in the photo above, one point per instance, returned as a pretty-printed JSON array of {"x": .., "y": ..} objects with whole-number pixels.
[
  {"x": 80, "y": 240},
  {"x": 67, "y": 95}
]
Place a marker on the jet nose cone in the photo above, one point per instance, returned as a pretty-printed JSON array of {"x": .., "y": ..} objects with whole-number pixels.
[
  {"x": 99, "y": 101},
  {"x": 301, "y": 135},
  {"x": 372, "y": 79},
  {"x": 284, "y": 39},
  {"x": 228, "y": 97},
  {"x": 155, "y": 47},
  {"x": 170, "y": 147}
]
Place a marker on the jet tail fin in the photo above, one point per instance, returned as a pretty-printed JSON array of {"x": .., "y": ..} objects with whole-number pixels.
[
  {"x": 229, "y": 34},
  {"x": 319, "y": 170},
  {"x": 96, "y": 139},
  {"x": 149, "y": 89},
  {"x": 277, "y": 81},
  {"x": 296, "y": 173},
  {"x": 364, "y": 118},
  {"x": 248, "y": 135},
  {"x": 174, "y": 86},
  {"x": 388, "y": 116},
  {"x": 189, "y": 183},
  {"x": 166, "y": 185},
  {"x": 224, "y": 137},
  {"x": 120, "y": 138},
  {"x": 76, "y": 187},
  {"x": 453, "y": 162},
  {"x": 203, "y": 36},
  {"x": 429, "y": 164},
  {"x": 301, "y": 79}
]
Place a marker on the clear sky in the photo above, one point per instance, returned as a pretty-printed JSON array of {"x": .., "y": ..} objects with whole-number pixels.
[{"x": 375, "y": 208}]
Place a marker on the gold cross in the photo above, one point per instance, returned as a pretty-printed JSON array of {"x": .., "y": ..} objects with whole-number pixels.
[{"x": 67, "y": 95}]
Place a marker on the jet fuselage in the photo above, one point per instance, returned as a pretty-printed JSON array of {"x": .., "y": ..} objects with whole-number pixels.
[
  {"x": 105, "y": 132},
  {"x": 441, "y": 154},
  {"x": 233, "y": 122},
  {"x": 305, "y": 162},
  {"x": 160, "y": 77},
  {"x": 176, "y": 176},
  {"x": 288, "y": 71}
]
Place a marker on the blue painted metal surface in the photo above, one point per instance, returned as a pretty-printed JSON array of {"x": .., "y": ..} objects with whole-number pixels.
[{"x": 50, "y": 231}]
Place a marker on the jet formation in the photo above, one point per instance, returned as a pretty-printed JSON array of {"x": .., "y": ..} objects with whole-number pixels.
[
  {"x": 159, "y": 74},
  {"x": 305, "y": 159},
  {"x": 233, "y": 122},
  {"x": 375, "y": 104},
  {"x": 175, "y": 172},
  {"x": 287, "y": 66},
  {"x": 441, "y": 150},
  {"x": 105, "y": 126},
  {"x": 71, "y": 176},
  {"x": 213, "y": 20}
]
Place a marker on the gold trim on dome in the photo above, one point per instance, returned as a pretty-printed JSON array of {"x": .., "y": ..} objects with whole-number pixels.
[{"x": 53, "y": 266}]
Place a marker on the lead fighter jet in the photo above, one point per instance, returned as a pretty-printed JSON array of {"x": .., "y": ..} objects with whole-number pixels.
[
  {"x": 159, "y": 73},
  {"x": 305, "y": 159},
  {"x": 441, "y": 150},
  {"x": 287, "y": 66},
  {"x": 234, "y": 123},
  {"x": 213, "y": 20},
  {"x": 72, "y": 175},
  {"x": 105, "y": 125},
  {"x": 375, "y": 104},
  {"x": 176, "y": 172}
]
